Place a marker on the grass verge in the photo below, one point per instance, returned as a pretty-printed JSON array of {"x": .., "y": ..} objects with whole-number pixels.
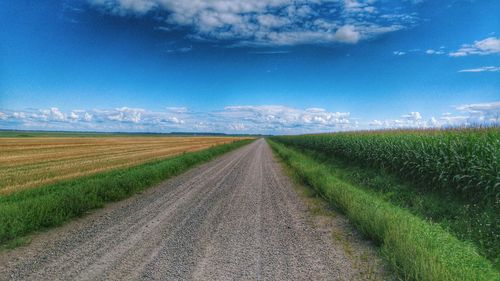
[
  {"x": 27, "y": 211},
  {"x": 415, "y": 248},
  {"x": 468, "y": 221},
  {"x": 362, "y": 254}
]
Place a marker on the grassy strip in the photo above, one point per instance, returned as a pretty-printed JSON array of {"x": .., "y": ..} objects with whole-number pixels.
[
  {"x": 467, "y": 221},
  {"x": 27, "y": 211},
  {"x": 416, "y": 249}
]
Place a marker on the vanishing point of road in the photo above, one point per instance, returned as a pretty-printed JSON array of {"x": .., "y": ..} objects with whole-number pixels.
[{"x": 235, "y": 218}]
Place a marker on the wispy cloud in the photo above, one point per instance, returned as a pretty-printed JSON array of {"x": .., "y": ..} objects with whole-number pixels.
[
  {"x": 269, "y": 22},
  {"x": 434, "y": 52},
  {"x": 482, "y": 69},
  {"x": 490, "y": 45},
  {"x": 269, "y": 52},
  {"x": 180, "y": 50},
  {"x": 482, "y": 111},
  {"x": 416, "y": 51}
]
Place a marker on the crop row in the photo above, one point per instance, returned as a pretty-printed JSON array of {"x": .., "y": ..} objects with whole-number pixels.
[
  {"x": 465, "y": 162},
  {"x": 34, "y": 162}
]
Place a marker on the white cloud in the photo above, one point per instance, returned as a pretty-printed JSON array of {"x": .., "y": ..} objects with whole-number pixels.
[
  {"x": 74, "y": 116},
  {"x": 19, "y": 115},
  {"x": 433, "y": 122},
  {"x": 354, "y": 6},
  {"x": 434, "y": 52},
  {"x": 251, "y": 119},
  {"x": 482, "y": 69},
  {"x": 268, "y": 22},
  {"x": 265, "y": 119},
  {"x": 126, "y": 114},
  {"x": 402, "y": 123},
  {"x": 414, "y": 116},
  {"x": 453, "y": 120},
  {"x": 279, "y": 118},
  {"x": 411, "y": 120},
  {"x": 87, "y": 117},
  {"x": 482, "y": 112},
  {"x": 178, "y": 109},
  {"x": 137, "y": 6},
  {"x": 399, "y": 53},
  {"x": 490, "y": 45},
  {"x": 469, "y": 114},
  {"x": 52, "y": 114},
  {"x": 347, "y": 34},
  {"x": 180, "y": 50},
  {"x": 174, "y": 120}
]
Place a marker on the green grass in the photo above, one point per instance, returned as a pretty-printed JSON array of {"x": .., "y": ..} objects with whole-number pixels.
[
  {"x": 469, "y": 222},
  {"x": 28, "y": 211},
  {"x": 415, "y": 248},
  {"x": 17, "y": 242}
]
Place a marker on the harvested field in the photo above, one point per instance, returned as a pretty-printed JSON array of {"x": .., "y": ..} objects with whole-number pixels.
[{"x": 32, "y": 162}]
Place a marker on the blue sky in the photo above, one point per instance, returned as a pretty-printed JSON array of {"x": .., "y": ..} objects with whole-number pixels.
[{"x": 235, "y": 66}]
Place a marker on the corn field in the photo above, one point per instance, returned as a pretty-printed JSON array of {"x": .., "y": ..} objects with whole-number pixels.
[{"x": 460, "y": 161}]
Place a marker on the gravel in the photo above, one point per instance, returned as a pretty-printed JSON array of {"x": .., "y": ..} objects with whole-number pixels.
[{"x": 234, "y": 218}]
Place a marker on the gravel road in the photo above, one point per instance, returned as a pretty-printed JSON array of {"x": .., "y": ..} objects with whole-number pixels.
[{"x": 235, "y": 218}]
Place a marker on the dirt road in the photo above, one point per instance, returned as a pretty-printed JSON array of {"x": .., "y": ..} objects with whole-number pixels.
[{"x": 235, "y": 218}]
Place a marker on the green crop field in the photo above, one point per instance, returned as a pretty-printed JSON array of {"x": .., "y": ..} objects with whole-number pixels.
[{"x": 445, "y": 182}]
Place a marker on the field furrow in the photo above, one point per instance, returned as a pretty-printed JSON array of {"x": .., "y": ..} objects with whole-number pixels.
[{"x": 32, "y": 162}]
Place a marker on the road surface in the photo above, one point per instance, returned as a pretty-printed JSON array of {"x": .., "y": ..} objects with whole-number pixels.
[{"x": 235, "y": 218}]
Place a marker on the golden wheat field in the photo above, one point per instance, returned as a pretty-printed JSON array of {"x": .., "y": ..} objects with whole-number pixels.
[{"x": 32, "y": 162}]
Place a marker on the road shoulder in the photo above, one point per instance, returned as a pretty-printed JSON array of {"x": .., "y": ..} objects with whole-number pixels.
[{"x": 335, "y": 228}]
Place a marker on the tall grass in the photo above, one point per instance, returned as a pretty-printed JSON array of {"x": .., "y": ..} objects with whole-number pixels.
[
  {"x": 417, "y": 249},
  {"x": 460, "y": 162},
  {"x": 27, "y": 211}
]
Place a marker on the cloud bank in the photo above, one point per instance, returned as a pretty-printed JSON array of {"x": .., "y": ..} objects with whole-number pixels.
[
  {"x": 232, "y": 119},
  {"x": 466, "y": 115},
  {"x": 269, "y": 22},
  {"x": 263, "y": 119}
]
